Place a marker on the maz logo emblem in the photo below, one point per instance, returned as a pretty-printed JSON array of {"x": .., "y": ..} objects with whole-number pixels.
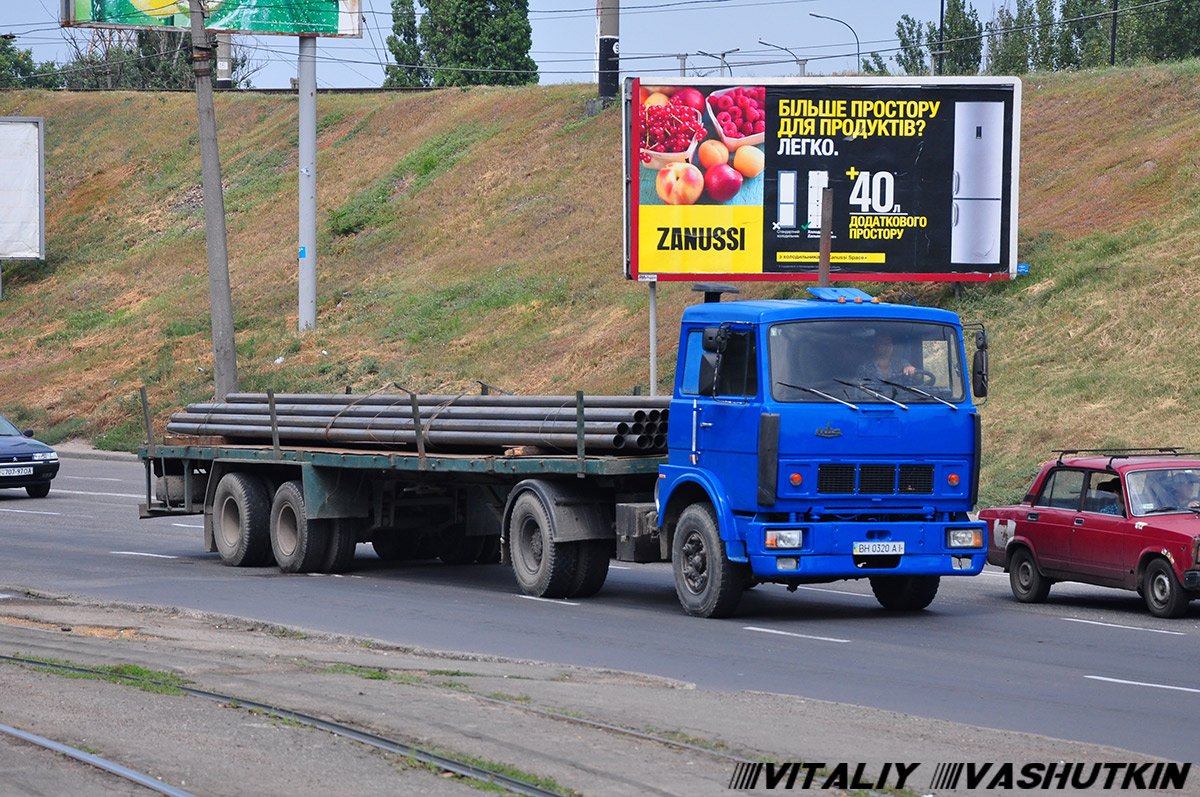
[{"x": 829, "y": 431}]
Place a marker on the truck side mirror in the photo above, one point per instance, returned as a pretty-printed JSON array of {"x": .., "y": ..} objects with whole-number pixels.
[
  {"x": 979, "y": 371},
  {"x": 981, "y": 341},
  {"x": 715, "y": 339}
]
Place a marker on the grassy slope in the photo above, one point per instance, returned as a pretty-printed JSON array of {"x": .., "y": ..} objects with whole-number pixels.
[{"x": 477, "y": 235}]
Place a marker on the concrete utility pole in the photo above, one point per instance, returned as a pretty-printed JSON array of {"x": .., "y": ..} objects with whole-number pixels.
[
  {"x": 307, "y": 74},
  {"x": 608, "y": 25},
  {"x": 224, "y": 61},
  {"x": 219, "y": 296}
]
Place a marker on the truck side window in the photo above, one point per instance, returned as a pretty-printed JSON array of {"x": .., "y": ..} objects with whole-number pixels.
[
  {"x": 1063, "y": 490},
  {"x": 691, "y": 363},
  {"x": 738, "y": 371}
]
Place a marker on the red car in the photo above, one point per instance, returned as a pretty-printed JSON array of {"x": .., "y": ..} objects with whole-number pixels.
[{"x": 1126, "y": 518}]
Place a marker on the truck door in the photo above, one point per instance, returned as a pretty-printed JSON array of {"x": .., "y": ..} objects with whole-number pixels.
[{"x": 727, "y": 412}]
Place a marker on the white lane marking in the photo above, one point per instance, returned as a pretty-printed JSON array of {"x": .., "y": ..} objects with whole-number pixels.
[
  {"x": 91, "y": 478},
  {"x": 1126, "y": 627},
  {"x": 189, "y": 525},
  {"x": 1143, "y": 683},
  {"x": 549, "y": 600},
  {"x": 789, "y": 633},
  {"x": 993, "y": 575},
  {"x": 838, "y": 592},
  {"x": 29, "y": 512},
  {"x": 103, "y": 495},
  {"x": 4, "y": 596},
  {"x": 616, "y": 567},
  {"x": 139, "y": 553}
]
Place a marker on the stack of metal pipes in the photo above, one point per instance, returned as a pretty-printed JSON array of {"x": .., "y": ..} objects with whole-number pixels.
[{"x": 632, "y": 424}]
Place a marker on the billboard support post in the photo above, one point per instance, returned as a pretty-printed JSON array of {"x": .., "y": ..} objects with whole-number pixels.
[
  {"x": 653, "y": 338},
  {"x": 220, "y": 298},
  {"x": 307, "y": 84},
  {"x": 826, "y": 238}
]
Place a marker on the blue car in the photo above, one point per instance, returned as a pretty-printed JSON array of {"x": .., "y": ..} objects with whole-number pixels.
[{"x": 24, "y": 462}]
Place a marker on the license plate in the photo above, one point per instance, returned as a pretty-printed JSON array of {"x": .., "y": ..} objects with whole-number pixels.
[
  {"x": 878, "y": 548},
  {"x": 28, "y": 471}
]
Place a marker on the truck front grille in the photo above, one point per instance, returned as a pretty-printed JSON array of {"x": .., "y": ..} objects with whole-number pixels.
[{"x": 874, "y": 479}]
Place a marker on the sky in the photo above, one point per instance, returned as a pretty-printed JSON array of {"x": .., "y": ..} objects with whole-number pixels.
[{"x": 653, "y": 33}]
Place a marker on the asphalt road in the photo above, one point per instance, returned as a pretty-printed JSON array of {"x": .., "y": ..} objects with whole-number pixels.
[{"x": 1090, "y": 665}]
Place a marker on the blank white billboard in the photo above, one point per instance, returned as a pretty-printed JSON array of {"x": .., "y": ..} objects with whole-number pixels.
[{"x": 22, "y": 189}]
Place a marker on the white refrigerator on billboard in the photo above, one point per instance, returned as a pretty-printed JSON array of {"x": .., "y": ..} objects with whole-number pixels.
[{"x": 978, "y": 183}]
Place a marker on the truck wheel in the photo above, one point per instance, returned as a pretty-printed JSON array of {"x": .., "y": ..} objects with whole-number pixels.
[
  {"x": 298, "y": 542},
  {"x": 1026, "y": 581},
  {"x": 456, "y": 548},
  {"x": 592, "y": 568},
  {"x": 343, "y": 540},
  {"x": 241, "y": 518},
  {"x": 905, "y": 593},
  {"x": 1164, "y": 597},
  {"x": 707, "y": 583},
  {"x": 543, "y": 567}
]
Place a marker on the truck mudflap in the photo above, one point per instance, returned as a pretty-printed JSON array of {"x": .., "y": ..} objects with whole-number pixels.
[{"x": 859, "y": 550}]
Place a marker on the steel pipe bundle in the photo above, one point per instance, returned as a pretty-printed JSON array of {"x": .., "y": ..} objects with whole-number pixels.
[{"x": 474, "y": 422}]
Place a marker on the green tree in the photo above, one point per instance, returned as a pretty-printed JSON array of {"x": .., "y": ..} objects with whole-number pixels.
[
  {"x": 1168, "y": 32},
  {"x": 916, "y": 39},
  {"x": 1042, "y": 53},
  {"x": 874, "y": 65},
  {"x": 405, "y": 47},
  {"x": 478, "y": 42},
  {"x": 1082, "y": 40},
  {"x": 963, "y": 40},
  {"x": 17, "y": 69},
  {"x": 1011, "y": 39}
]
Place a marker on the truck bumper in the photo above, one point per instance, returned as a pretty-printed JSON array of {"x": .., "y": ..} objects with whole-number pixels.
[{"x": 836, "y": 550}]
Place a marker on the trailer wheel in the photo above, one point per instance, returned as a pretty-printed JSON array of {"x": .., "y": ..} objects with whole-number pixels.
[
  {"x": 456, "y": 548},
  {"x": 543, "y": 567},
  {"x": 297, "y": 541},
  {"x": 490, "y": 553},
  {"x": 343, "y": 540},
  {"x": 905, "y": 593},
  {"x": 591, "y": 569},
  {"x": 241, "y": 518},
  {"x": 707, "y": 583}
]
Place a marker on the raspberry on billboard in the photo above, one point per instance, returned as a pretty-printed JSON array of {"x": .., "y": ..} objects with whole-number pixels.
[{"x": 923, "y": 175}]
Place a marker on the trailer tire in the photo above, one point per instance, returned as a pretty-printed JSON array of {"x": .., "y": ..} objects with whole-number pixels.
[
  {"x": 544, "y": 568},
  {"x": 490, "y": 553},
  {"x": 241, "y": 518},
  {"x": 298, "y": 542},
  {"x": 456, "y": 548},
  {"x": 592, "y": 568},
  {"x": 343, "y": 540},
  {"x": 905, "y": 593},
  {"x": 707, "y": 583}
]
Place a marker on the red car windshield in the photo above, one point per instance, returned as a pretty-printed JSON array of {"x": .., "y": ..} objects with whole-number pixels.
[{"x": 1163, "y": 491}]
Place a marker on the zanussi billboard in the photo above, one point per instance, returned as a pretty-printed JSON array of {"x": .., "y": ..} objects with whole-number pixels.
[
  {"x": 303, "y": 17},
  {"x": 726, "y": 178}
]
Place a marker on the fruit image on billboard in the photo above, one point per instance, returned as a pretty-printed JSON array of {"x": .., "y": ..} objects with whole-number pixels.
[
  {"x": 312, "y": 17},
  {"x": 730, "y": 180}
]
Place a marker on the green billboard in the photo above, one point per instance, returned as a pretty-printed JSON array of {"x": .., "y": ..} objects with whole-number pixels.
[{"x": 301, "y": 17}]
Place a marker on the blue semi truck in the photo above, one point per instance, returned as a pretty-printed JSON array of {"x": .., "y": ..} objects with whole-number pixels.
[{"x": 808, "y": 441}]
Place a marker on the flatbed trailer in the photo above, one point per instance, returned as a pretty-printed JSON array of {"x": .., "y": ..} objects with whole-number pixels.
[{"x": 307, "y": 508}]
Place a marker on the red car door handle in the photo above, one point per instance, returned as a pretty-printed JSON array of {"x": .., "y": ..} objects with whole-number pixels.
[
  {"x": 1032, "y": 516},
  {"x": 1078, "y": 521}
]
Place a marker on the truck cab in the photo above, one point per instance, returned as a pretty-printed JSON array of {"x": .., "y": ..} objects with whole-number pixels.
[{"x": 818, "y": 440}]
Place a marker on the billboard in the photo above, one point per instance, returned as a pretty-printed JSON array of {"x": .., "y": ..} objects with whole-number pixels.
[
  {"x": 726, "y": 179},
  {"x": 303, "y": 17},
  {"x": 22, "y": 191}
]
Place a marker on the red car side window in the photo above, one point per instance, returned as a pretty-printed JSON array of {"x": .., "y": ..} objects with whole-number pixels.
[{"x": 1063, "y": 489}]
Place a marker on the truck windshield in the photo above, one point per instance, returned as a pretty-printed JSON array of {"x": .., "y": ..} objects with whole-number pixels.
[{"x": 866, "y": 362}]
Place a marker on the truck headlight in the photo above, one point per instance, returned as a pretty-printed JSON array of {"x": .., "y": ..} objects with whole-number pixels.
[
  {"x": 964, "y": 538},
  {"x": 784, "y": 538}
]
